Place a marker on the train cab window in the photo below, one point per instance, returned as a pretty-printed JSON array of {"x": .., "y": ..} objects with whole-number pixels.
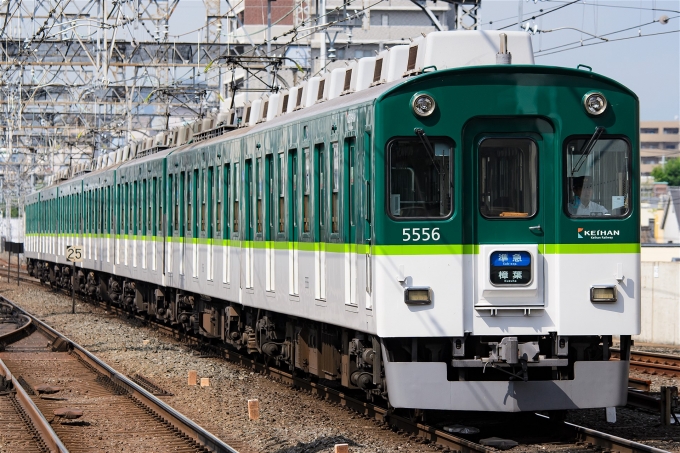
[
  {"x": 420, "y": 178},
  {"x": 598, "y": 178},
  {"x": 508, "y": 181}
]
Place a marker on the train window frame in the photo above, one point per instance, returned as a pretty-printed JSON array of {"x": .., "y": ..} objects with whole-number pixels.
[
  {"x": 538, "y": 178},
  {"x": 388, "y": 177},
  {"x": 565, "y": 178}
]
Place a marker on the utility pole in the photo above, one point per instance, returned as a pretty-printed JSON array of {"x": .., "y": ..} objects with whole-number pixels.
[{"x": 321, "y": 14}]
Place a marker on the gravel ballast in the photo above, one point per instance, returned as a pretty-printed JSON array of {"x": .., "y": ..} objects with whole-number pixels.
[{"x": 290, "y": 421}]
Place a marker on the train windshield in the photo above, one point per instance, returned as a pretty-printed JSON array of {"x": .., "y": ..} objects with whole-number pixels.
[
  {"x": 420, "y": 178},
  {"x": 508, "y": 180},
  {"x": 598, "y": 179}
]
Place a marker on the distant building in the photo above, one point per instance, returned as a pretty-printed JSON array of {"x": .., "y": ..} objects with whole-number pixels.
[
  {"x": 352, "y": 33},
  {"x": 659, "y": 141}
]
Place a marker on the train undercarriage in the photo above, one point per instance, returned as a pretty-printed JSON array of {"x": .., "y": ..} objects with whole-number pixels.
[{"x": 353, "y": 359}]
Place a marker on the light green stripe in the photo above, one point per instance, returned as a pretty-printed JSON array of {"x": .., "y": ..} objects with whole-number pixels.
[
  {"x": 386, "y": 250},
  {"x": 426, "y": 249},
  {"x": 591, "y": 248}
]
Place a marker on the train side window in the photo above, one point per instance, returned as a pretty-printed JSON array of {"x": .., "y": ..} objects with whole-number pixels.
[
  {"x": 143, "y": 222},
  {"x": 335, "y": 187},
  {"x": 508, "y": 178},
  {"x": 237, "y": 191},
  {"x": 218, "y": 201},
  {"x": 180, "y": 207},
  {"x": 281, "y": 192},
  {"x": 270, "y": 194},
  {"x": 307, "y": 190},
  {"x": 258, "y": 188},
  {"x": 158, "y": 184},
  {"x": 419, "y": 178},
  {"x": 190, "y": 195},
  {"x": 195, "y": 188},
  {"x": 204, "y": 199},
  {"x": 597, "y": 180},
  {"x": 208, "y": 201},
  {"x": 118, "y": 206},
  {"x": 226, "y": 193},
  {"x": 136, "y": 226},
  {"x": 171, "y": 204},
  {"x": 154, "y": 202}
]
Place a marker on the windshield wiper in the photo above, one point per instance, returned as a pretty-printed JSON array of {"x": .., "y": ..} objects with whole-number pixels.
[
  {"x": 428, "y": 146},
  {"x": 587, "y": 148}
]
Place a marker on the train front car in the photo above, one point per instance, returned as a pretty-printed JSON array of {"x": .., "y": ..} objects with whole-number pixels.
[{"x": 506, "y": 236}]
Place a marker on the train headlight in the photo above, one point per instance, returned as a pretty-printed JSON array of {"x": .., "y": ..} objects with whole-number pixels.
[
  {"x": 423, "y": 105},
  {"x": 418, "y": 295},
  {"x": 603, "y": 293},
  {"x": 595, "y": 103}
]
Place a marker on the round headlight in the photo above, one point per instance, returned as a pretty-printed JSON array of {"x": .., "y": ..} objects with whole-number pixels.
[
  {"x": 595, "y": 103},
  {"x": 423, "y": 105}
]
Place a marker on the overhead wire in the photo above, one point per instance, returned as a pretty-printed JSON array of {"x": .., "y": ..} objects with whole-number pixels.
[{"x": 584, "y": 42}]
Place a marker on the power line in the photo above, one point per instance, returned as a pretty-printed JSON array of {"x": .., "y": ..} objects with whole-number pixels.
[
  {"x": 605, "y": 42},
  {"x": 581, "y": 42}
]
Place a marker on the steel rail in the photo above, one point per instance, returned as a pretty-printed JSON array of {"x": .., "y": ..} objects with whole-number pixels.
[
  {"x": 607, "y": 441},
  {"x": 38, "y": 420},
  {"x": 652, "y": 362},
  {"x": 372, "y": 410},
  {"x": 22, "y": 331},
  {"x": 172, "y": 416}
]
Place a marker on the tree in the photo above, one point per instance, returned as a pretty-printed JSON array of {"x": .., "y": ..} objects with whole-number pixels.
[{"x": 670, "y": 172}]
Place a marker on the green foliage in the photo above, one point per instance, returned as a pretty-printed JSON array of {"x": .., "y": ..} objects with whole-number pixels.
[{"x": 670, "y": 172}]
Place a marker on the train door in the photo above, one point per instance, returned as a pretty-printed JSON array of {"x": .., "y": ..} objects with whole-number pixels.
[
  {"x": 270, "y": 197},
  {"x": 226, "y": 199},
  {"x": 350, "y": 218},
  {"x": 208, "y": 219},
  {"x": 144, "y": 219},
  {"x": 193, "y": 216},
  {"x": 367, "y": 219},
  {"x": 248, "y": 222},
  {"x": 293, "y": 223},
  {"x": 512, "y": 174},
  {"x": 320, "y": 185},
  {"x": 201, "y": 212},
  {"x": 182, "y": 220}
]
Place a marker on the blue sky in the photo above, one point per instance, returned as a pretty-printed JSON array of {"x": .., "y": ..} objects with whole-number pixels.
[{"x": 649, "y": 65}]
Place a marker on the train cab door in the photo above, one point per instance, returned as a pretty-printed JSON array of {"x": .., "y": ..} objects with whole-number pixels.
[{"x": 513, "y": 181}]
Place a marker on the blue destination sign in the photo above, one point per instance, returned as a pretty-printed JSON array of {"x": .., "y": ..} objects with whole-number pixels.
[{"x": 510, "y": 259}]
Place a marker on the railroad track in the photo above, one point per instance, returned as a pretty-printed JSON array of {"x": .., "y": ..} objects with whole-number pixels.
[
  {"x": 25, "y": 429},
  {"x": 89, "y": 405},
  {"x": 652, "y": 362},
  {"x": 424, "y": 432}
]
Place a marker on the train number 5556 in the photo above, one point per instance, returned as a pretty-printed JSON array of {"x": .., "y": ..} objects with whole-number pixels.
[{"x": 419, "y": 234}]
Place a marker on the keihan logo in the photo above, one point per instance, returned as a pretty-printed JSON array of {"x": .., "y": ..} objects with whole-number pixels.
[{"x": 597, "y": 234}]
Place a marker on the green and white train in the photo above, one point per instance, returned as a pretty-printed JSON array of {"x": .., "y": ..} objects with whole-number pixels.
[{"x": 445, "y": 225}]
